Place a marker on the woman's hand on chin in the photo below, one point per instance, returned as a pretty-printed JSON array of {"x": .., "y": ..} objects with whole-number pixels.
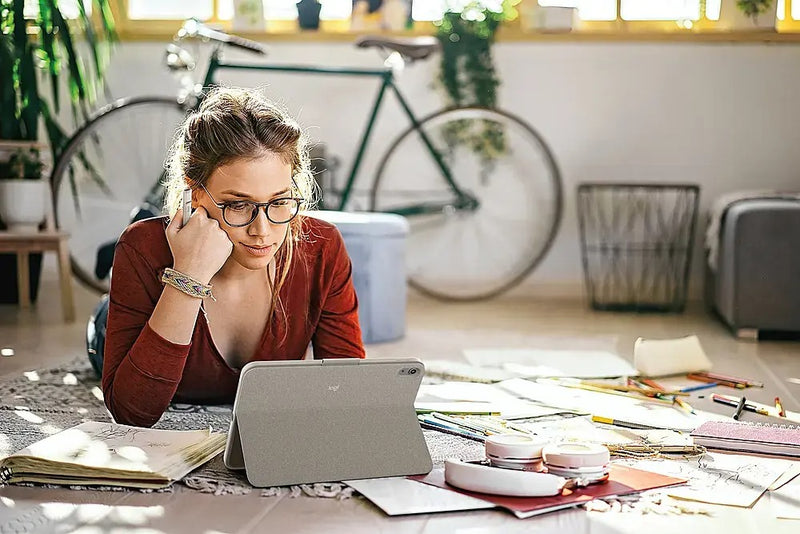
[{"x": 200, "y": 248}]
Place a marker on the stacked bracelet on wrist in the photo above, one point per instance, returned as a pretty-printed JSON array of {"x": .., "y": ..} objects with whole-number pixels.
[{"x": 186, "y": 284}]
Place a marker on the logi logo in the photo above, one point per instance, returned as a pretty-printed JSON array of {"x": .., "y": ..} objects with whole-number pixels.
[{"x": 333, "y": 387}]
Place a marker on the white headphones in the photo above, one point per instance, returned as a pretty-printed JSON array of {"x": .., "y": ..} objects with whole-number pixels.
[{"x": 516, "y": 462}]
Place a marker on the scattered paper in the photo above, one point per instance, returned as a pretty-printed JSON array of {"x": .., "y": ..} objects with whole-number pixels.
[
  {"x": 577, "y": 429},
  {"x": 468, "y": 397},
  {"x": 785, "y": 501},
  {"x": 622, "y": 481},
  {"x": 659, "y": 357},
  {"x": 620, "y": 408},
  {"x": 464, "y": 371},
  {"x": 401, "y": 496},
  {"x": 730, "y": 479},
  {"x": 546, "y": 362}
]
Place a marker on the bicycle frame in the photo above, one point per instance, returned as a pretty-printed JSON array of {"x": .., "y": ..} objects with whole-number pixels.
[{"x": 387, "y": 82}]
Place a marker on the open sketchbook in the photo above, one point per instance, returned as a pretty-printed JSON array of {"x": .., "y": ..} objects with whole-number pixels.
[{"x": 108, "y": 454}]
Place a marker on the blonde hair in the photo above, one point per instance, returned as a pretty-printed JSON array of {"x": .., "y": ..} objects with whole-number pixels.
[{"x": 231, "y": 124}]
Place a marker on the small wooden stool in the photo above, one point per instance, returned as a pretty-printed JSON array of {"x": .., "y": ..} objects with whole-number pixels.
[{"x": 23, "y": 245}]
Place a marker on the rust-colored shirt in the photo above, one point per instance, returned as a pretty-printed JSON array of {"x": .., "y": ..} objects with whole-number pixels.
[{"x": 143, "y": 372}]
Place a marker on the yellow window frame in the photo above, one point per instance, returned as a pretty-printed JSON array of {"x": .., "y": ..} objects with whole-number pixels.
[{"x": 621, "y": 29}]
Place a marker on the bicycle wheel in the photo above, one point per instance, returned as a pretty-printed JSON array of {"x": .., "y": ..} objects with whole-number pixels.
[
  {"x": 105, "y": 172},
  {"x": 481, "y": 248}
]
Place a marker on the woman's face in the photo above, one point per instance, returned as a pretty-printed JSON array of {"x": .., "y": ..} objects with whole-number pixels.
[{"x": 256, "y": 180}]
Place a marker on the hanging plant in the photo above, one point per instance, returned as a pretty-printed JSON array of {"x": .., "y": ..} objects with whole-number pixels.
[
  {"x": 754, "y": 8},
  {"x": 467, "y": 74}
]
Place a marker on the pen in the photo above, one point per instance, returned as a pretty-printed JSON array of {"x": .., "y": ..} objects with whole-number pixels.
[
  {"x": 451, "y": 425},
  {"x": 747, "y": 406},
  {"x": 699, "y": 387},
  {"x": 739, "y": 408},
  {"x": 609, "y": 421},
  {"x": 456, "y": 412},
  {"x": 779, "y": 406},
  {"x": 450, "y": 430}
]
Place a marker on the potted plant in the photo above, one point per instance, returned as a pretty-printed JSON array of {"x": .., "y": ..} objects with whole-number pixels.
[
  {"x": 308, "y": 14},
  {"x": 42, "y": 53},
  {"x": 23, "y": 189},
  {"x": 748, "y": 14}
]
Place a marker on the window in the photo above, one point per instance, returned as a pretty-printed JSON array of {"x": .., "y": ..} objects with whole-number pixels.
[
  {"x": 204, "y": 9},
  {"x": 606, "y": 10},
  {"x": 588, "y": 9},
  {"x": 69, "y": 8},
  {"x": 170, "y": 9},
  {"x": 287, "y": 10},
  {"x": 157, "y": 17},
  {"x": 427, "y": 10}
]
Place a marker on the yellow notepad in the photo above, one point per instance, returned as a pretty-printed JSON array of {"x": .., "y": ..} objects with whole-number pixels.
[{"x": 109, "y": 454}]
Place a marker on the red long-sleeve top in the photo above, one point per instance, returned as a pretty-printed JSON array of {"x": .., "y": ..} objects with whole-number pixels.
[{"x": 143, "y": 372}]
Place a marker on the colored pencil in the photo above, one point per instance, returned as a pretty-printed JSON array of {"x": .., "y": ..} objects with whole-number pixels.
[
  {"x": 703, "y": 378},
  {"x": 699, "y": 387}
]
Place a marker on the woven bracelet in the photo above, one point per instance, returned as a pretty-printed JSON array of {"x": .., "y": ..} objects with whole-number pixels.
[{"x": 186, "y": 284}]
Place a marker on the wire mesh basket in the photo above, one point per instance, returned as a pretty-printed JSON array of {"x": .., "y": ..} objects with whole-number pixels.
[{"x": 636, "y": 244}]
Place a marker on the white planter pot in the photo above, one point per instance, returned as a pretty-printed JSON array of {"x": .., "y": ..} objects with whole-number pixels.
[
  {"x": 733, "y": 19},
  {"x": 22, "y": 204},
  {"x": 248, "y": 15},
  {"x": 536, "y": 18}
]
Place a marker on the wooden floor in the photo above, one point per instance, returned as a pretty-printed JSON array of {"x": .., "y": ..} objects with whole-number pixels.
[{"x": 434, "y": 330}]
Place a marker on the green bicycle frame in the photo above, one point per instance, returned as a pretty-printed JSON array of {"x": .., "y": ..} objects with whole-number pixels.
[{"x": 387, "y": 81}]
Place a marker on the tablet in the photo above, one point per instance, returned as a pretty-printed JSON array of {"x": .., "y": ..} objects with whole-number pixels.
[{"x": 308, "y": 421}]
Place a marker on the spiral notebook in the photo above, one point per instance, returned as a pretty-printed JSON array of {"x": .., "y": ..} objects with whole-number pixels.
[{"x": 781, "y": 440}]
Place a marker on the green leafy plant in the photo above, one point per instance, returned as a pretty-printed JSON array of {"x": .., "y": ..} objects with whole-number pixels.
[
  {"x": 44, "y": 46},
  {"x": 23, "y": 164},
  {"x": 467, "y": 73},
  {"x": 753, "y": 8}
]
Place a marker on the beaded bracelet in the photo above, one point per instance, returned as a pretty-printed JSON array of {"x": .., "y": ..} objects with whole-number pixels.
[{"x": 187, "y": 284}]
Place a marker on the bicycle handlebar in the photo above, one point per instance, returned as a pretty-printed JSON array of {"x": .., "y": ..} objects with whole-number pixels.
[{"x": 195, "y": 28}]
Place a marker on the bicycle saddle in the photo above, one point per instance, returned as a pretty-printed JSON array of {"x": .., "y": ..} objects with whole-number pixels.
[{"x": 411, "y": 48}]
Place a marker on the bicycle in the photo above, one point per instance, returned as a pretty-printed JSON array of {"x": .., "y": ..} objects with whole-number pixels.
[{"x": 474, "y": 235}]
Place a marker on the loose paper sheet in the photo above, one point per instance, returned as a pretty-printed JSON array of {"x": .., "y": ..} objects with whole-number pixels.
[
  {"x": 785, "y": 501},
  {"x": 473, "y": 397},
  {"x": 548, "y": 363},
  {"x": 731, "y": 479},
  {"x": 634, "y": 410},
  {"x": 401, "y": 496}
]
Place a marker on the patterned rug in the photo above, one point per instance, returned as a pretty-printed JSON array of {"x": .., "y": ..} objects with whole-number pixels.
[{"x": 39, "y": 403}]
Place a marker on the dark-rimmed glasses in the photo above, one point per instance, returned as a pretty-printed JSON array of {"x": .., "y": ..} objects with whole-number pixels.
[{"x": 240, "y": 213}]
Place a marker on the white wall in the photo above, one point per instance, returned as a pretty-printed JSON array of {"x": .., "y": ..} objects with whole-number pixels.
[{"x": 724, "y": 116}]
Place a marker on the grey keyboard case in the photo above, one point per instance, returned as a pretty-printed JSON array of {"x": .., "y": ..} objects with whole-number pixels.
[{"x": 308, "y": 421}]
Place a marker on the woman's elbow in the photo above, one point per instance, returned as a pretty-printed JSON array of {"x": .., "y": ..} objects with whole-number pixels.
[{"x": 124, "y": 415}]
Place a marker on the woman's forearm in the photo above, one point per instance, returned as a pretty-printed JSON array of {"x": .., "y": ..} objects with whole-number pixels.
[{"x": 175, "y": 315}]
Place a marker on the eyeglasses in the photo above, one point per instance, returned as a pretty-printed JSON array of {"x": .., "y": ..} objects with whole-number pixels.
[{"x": 243, "y": 212}]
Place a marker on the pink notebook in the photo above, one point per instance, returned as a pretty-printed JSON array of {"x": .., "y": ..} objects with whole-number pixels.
[{"x": 782, "y": 440}]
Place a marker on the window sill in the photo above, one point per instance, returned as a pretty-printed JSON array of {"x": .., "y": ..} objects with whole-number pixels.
[{"x": 164, "y": 31}]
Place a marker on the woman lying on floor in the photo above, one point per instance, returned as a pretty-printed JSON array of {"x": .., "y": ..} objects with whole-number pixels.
[{"x": 249, "y": 277}]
